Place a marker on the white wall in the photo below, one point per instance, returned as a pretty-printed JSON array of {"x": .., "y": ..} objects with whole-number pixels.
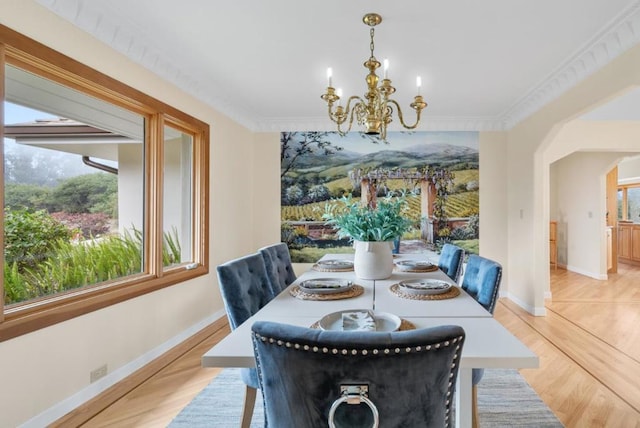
[
  {"x": 493, "y": 201},
  {"x": 266, "y": 185},
  {"x": 580, "y": 210},
  {"x": 43, "y": 369},
  {"x": 629, "y": 170}
]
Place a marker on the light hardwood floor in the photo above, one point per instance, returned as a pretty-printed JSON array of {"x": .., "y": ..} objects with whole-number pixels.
[{"x": 588, "y": 344}]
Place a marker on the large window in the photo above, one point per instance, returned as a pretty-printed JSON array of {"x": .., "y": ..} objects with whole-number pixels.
[
  {"x": 104, "y": 189},
  {"x": 629, "y": 203}
]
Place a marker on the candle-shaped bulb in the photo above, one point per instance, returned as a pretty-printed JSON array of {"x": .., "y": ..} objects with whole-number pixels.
[
  {"x": 386, "y": 68},
  {"x": 339, "y": 94},
  {"x": 419, "y": 83},
  {"x": 329, "y": 75}
]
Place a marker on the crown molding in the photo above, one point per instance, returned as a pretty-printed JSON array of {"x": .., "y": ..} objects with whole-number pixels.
[
  {"x": 620, "y": 34},
  {"x": 435, "y": 123}
]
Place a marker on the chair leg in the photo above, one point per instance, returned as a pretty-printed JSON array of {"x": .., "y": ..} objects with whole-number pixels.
[
  {"x": 475, "y": 423},
  {"x": 249, "y": 402}
]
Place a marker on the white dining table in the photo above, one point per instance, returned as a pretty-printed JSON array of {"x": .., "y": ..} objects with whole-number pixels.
[{"x": 487, "y": 345}]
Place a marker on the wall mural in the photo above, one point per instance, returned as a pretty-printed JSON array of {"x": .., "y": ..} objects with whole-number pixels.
[{"x": 436, "y": 171}]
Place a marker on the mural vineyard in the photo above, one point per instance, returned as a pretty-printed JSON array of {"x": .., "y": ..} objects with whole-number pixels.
[{"x": 457, "y": 205}]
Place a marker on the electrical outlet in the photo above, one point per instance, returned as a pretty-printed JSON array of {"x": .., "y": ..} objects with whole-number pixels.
[{"x": 98, "y": 373}]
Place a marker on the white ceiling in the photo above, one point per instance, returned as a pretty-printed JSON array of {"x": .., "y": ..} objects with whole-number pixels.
[{"x": 485, "y": 65}]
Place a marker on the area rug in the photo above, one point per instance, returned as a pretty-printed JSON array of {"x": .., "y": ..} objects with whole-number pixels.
[{"x": 505, "y": 399}]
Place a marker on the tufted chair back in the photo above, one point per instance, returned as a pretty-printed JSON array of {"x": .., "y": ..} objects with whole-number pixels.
[
  {"x": 410, "y": 375},
  {"x": 450, "y": 261},
  {"x": 245, "y": 289},
  {"x": 279, "y": 268},
  {"x": 482, "y": 281}
]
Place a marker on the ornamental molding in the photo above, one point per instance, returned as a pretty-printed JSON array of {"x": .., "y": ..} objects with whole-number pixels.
[{"x": 620, "y": 34}]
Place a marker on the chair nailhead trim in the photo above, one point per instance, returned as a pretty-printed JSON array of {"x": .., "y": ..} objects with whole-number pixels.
[{"x": 386, "y": 351}]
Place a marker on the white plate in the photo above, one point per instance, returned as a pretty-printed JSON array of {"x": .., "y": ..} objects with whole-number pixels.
[
  {"x": 384, "y": 320},
  {"x": 414, "y": 264},
  {"x": 325, "y": 285},
  {"x": 335, "y": 264},
  {"x": 424, "y": 286}
]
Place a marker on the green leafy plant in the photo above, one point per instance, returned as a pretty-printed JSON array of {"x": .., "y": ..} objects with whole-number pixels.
[
  {"x": 30, "y": 236},
  {"x": 357, "y": 221},
  {"x": 69, "y": 265}
]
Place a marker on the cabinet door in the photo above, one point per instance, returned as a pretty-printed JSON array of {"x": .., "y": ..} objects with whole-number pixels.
[
  {"x": 635, "y": 243},
  {"x": 624, "y": 242}
]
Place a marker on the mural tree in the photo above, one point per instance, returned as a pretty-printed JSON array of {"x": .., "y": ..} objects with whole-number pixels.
[{"x": 295, "y": 145}]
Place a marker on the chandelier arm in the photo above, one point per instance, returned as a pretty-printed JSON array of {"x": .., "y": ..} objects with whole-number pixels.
[
  {"x": 401, "y": 118},
  {"x": 339, "y": 114},
  {"x": 349, "y": 113}
]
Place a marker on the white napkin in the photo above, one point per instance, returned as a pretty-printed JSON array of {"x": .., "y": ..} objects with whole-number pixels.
[{"x": 358, "y": 321}]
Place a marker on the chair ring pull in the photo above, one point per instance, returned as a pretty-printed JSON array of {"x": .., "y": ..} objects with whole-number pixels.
[{"x": 354, "y": 394}]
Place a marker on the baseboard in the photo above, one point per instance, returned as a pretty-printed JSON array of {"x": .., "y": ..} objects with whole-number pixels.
[
  {"x": 533, "y": 310},
  {"x": 91, "y": 400},
  {"x": 587, "y": 273}
]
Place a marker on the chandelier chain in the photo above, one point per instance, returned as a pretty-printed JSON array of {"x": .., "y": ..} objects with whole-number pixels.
[{"x": 371, "y": 45}]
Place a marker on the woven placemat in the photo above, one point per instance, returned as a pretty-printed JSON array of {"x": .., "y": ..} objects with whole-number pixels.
[
  {"x": 319, "y": 268},
  {"x": 354, "y": 291},
  {"x": 431, "y": 268},
  {"x": 404, "y": 325},
  {"x": 453, "y": 292}
]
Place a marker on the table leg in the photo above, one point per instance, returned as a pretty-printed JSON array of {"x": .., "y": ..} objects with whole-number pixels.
[
  {"x": 463, "y": 398},
  {"x": 374, "y": 295}
]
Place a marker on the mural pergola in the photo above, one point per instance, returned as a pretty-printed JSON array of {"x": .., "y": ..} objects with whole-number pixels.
[{"x": 434, "y": 183}]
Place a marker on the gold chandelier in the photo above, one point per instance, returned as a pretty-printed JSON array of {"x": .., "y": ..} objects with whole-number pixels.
[{"x": 375, "y": 111}]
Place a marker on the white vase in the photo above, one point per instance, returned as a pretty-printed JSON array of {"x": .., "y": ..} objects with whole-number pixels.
[{"x": 373, "y": 260}]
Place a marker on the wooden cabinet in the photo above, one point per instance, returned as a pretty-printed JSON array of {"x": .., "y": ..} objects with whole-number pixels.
[
  {"x": 553, "y": 244},
  {"x": 629, "y": 243}
]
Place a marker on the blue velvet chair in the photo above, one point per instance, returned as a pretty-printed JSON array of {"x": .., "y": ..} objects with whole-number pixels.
[
  {"x": 279, "y": 268},
  {"x": 410, "y": 375},
  {"x": 481, "y": 280},
  {"x": 245, "y": 289},
  {"x": 450, "y": 261}
]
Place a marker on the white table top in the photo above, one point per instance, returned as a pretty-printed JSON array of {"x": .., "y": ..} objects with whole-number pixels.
[
  {"x": 459, "y": 306},
  {"x": 487, "y": 345}
]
